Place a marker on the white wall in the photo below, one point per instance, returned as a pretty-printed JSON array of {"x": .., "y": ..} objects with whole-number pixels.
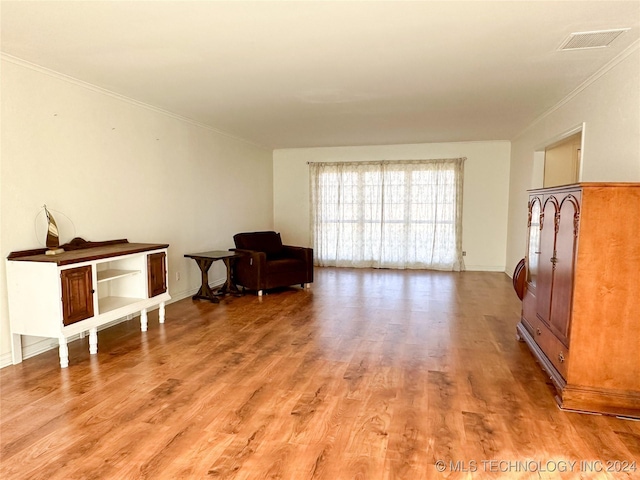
[
  {"x": 609, "y": 107},
  {"x": 117, "y": 169},
  {"x": 486, "y": 190}
]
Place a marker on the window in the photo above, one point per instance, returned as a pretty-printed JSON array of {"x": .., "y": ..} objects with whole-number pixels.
[{"x": 404, "y": 214}]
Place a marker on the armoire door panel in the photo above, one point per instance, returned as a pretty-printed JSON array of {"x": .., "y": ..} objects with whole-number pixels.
[
  {"x": 532, "y": 256},
  {"x": 547, "y": 258},
  {"x": 566, "y": 239}
]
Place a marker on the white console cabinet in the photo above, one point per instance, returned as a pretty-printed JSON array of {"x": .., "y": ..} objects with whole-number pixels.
[{"x": 87, "y": 286}]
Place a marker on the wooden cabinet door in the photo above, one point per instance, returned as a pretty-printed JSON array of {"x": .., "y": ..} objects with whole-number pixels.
[
  {"x": 77, "y": 294},
  {"x": 546, "y": 267},
  {"x": 533, "y": 244},
  {"x": 565, "y": 251},
  {"x": 157, "y": 273}
]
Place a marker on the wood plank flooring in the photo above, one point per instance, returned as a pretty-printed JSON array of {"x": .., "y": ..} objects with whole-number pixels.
[{"x": 370, "y": 374}]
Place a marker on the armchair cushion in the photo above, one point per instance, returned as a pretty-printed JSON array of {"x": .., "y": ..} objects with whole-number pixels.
[{"x": 283, "y": 265}]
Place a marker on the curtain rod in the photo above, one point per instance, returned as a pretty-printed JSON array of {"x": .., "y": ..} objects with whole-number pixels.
[{"x": 426, "y": 160}]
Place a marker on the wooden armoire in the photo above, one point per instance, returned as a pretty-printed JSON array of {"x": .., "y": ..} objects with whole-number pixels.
[{"x": 581, "y": 306}]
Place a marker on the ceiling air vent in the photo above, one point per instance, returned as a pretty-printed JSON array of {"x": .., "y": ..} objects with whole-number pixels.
[{"x": 596, "y": 39}]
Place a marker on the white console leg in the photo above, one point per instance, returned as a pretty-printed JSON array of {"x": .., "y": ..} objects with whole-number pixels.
[
  {"x": 16, "y": 348},
  {"x": 64, "y": 352},
  {"x": 93, "y": 341},
  {"x": 143, "y": 320},
  {"x": 161, "y": 313}
]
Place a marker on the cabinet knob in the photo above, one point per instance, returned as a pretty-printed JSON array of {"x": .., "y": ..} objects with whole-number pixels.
[
  {"x": 561, "y": 357},
  {"x": 538, "y": 331}
]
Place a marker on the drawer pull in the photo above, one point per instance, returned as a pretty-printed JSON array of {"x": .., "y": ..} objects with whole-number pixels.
[
  {"x": 561, "y": 357},
  {"x": 538, "y": 331}
]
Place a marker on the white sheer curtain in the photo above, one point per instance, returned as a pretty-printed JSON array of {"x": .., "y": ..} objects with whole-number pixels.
[{"x": 389, "y": 214}]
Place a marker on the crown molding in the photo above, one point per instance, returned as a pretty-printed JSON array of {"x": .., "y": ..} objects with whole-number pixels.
[
  {"x": 122, "y": 98},
  {"x": 635, "y": 46}
]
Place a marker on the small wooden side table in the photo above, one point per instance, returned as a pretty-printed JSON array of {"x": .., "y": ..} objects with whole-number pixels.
[{"x": 204, "y": 261}]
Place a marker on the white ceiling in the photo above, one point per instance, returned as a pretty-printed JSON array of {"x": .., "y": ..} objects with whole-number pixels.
[{"x": 299, "y": 74}]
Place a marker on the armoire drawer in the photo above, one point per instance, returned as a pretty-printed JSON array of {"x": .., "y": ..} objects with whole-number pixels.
[{"x": 553, "y": 348}]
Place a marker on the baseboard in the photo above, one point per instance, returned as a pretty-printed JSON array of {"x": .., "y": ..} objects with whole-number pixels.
[
  {"x": 484, "y": 268},
  {"x": 31, "y": 350},
  {"x": 609, "y": 402},
  {"x": 46, "y": 344}
]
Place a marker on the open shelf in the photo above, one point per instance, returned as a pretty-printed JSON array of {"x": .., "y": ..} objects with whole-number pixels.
[
  {"x": 112, "y": 274},
  {"x": 108, "y": 304}
]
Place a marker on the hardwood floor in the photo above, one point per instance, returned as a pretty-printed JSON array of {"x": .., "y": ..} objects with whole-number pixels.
[{"x": 371, "y": 374}]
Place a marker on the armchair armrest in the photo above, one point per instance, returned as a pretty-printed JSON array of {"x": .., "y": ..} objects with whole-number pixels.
[
  {"x": 249, "y": 270},
  {"x": 301, "y": 253}
]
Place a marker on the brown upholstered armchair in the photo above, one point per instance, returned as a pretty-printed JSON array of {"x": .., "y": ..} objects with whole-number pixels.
[{"x": 266, "y": 263}]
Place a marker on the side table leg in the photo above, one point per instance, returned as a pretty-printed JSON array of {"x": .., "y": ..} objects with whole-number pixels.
[
  {"x": 64, "y": 352},
  {"x": 93, "y": 341},
  {"x": 143, "y": 320},
  {"x": 229, "y": 286},
  {"x": 205, "y": 292}
]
